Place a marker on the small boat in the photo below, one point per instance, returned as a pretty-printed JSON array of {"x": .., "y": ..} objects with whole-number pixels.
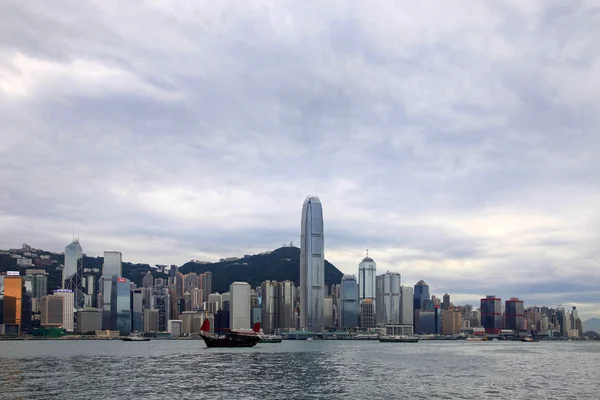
[
  {"x": 398, "y": 339},
  {"x": 529, "y": 339},
  {"x": 230, "y": 338},
  {"x": 136, "y": 339},
  {"x": 270, "y": 339},
  {"x": 310, "y": 338}
]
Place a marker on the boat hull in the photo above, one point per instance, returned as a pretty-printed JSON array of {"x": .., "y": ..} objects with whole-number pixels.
[
  {"x": 231, "y": 340},
  {"x": 398, "y": 340},
  {"x": 128, "y": 339}
]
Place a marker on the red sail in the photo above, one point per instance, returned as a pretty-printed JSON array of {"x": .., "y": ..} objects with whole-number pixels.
[
  {"x": 256, "y": 327},
  {"x": 205, "y": 326}
]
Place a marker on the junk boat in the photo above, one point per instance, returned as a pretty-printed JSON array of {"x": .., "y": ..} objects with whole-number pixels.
[
  {"x": 230, "y": 338},
  {"x": 270, "y": 339},
  {"x": 398, "y": 339}
]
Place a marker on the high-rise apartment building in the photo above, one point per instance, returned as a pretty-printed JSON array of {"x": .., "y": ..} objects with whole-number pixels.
[
  {"x": 205, "y": 283},
  {"x": 491, "y": 314},
  {"x": 312, "y": 266},
  {"x": 148, "y": 280},
  {"x": 68, "y": 308},
  {"x": 39, "y": 280},
  {"x": 349, "y": 303},
  {"x": 239, "y": 317},
  {"x": 387, "y": 303}
]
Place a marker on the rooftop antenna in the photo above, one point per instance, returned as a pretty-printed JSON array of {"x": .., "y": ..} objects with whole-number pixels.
[
  {"x": 78, "y": 232},
  {"x": 73, "y": 231}
]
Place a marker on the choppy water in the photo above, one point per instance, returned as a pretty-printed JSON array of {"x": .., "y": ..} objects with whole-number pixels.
[{"x": 313, "y": 369}]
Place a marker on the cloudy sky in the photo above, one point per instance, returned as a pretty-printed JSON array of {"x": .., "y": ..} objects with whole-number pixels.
[{"x": 459, "y": 141}]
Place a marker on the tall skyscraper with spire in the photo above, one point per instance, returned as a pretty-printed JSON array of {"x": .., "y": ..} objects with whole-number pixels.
[
  {"x": 72, "y": 277},
  {"x": 312, "y": 266}
]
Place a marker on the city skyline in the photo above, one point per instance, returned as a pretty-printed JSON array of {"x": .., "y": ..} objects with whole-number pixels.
[{"x": 459, "y": 150}]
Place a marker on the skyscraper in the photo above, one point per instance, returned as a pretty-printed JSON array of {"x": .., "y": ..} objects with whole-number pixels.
[
  {"x": 113, "y": 264},
  {"x": 312, "y": 266},
  {"x": 73, "y": 273},
  {"x": 239, "y": 317},
  {"x": 366, "y": 278},
  {"x": 421, "y": 295},
  {"x": 139, "y": 295},
  {"x": 286, "y": 305},
  {"x": 514, "y": 314},
  {"x": 68, "y": 308},
  {"x": 349, "y": 302},
  {"x": 367, "y": 270},
  {"x": 13, "y": 298},
  {"x": 491, "y": 314},
  {"x": 269, "y": 306},
  {"x": 52, "y": 311},
  {"x": 148, "y": 280},
  {"x": 387, "y": 304},
  {"x": 446, "y": 302},
  {"x": 406, "y": 306}
]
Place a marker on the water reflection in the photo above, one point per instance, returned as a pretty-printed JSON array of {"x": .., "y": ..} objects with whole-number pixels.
[{"x": 11, "y": 377}]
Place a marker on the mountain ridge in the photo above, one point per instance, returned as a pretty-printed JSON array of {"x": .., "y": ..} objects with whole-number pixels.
[{"x": 280, "y": 264}]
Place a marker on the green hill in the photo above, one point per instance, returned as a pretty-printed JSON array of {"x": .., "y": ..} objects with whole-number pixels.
[{"x": 279, "y": 265}]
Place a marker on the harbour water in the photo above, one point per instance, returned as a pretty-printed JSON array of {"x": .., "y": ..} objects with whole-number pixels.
[{"x": 185, "y": 369}]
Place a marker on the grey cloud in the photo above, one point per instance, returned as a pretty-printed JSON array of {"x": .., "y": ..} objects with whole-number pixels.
[{"x": 205, "y": 128}]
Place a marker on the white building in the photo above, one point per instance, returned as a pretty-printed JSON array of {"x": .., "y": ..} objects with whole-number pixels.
[
  {"x": 113, "y": 264},
  {"x": 312, "y": 266},
  {"x": 68, "y": 308},
  {"x": 175, "y": 327},
  {"x": 239, "y": 305}
]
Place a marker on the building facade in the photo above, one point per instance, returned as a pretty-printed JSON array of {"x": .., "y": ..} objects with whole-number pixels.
[
  {"x": 387, "y": 303},
  {"x": 514, "y": 314},
  {"x": 89, "y": 320},
  {"x": 491, "y": 314},
  {"x": 349, "y": 303},
  {"x": 52, "y": 312},
  {"x": 239, "y": 304},
  {"x": 312, "y": 266},
  {"x": 13, "y": 300},
  {"x": 113, "y": 264},
  {"x": 68, "y": 308}
]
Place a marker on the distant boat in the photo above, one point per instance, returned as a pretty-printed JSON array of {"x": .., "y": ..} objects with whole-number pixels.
[
  {"x": 310, "y": 338},
  {"x": 230, "y": 338},
  {"x": 135, "y": 339},
  {"x": 529, "y": 339},
  {"x": 398, "y": 339},
  {"x": 270, "y": 339}
]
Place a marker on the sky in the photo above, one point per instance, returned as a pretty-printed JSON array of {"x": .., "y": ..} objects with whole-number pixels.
[{"x": 459, "y": 141}]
